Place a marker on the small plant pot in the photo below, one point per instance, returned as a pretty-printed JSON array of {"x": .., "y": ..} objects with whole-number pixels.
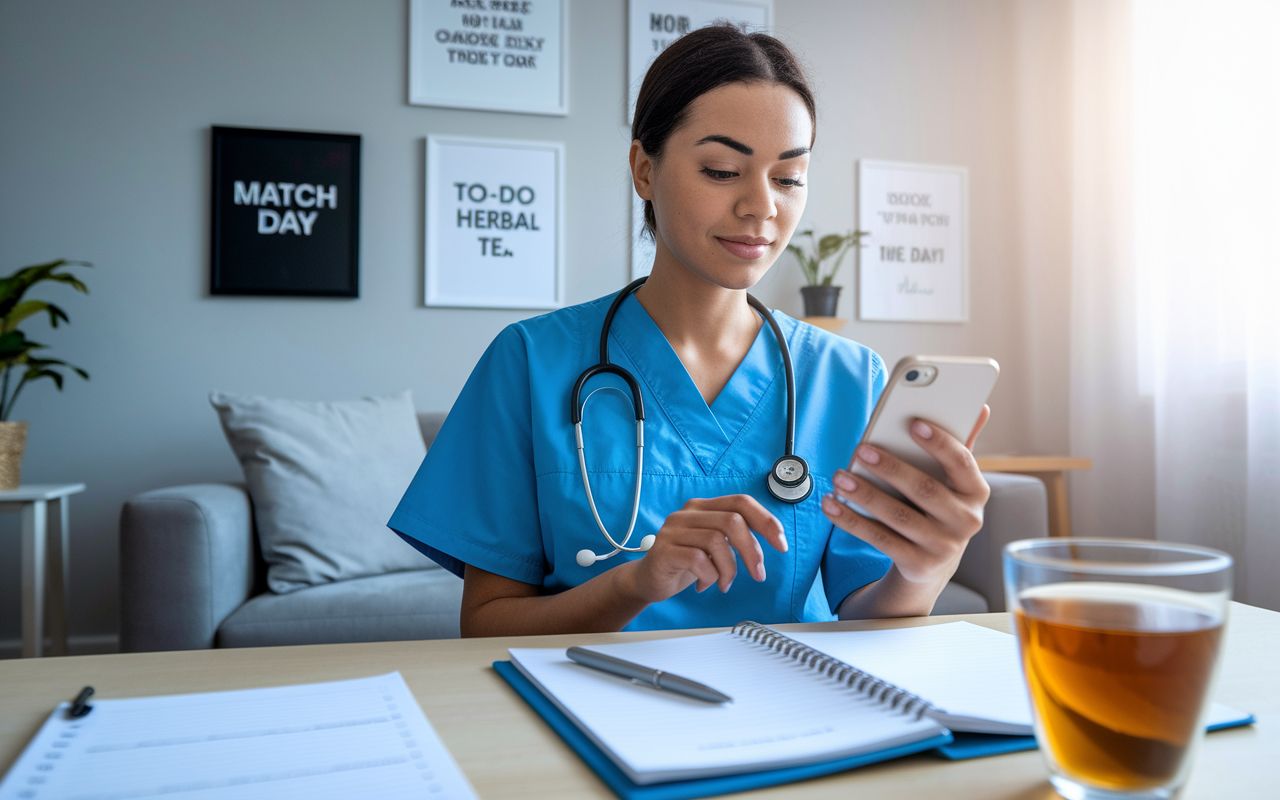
[
  {"x": 820, "y": 301},
  {"x": 13, "y": 442}
]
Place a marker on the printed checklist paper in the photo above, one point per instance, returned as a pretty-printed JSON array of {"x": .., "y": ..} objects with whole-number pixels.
[{"x": 356, "y": 738}]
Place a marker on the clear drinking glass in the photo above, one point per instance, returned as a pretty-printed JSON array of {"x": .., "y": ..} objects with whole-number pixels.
[{"x": 1119, "y": 642}]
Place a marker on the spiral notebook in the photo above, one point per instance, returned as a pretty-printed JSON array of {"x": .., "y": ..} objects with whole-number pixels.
[
  {"x": 809, "y": 704},
  {"x": 793, "y": 707}
]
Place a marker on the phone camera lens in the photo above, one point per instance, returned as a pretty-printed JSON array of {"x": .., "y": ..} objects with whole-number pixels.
[{"x": 913, "y": 374}]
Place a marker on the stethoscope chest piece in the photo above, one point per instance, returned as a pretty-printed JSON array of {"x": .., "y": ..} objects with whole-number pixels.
[{"x": 789, "y": 480}]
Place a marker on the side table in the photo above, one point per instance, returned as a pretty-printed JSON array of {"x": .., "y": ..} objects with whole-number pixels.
[
  {"x": 37, "y": 534},
  {"x": 1050, "y": 469},
  {"x": 833, "y": 324}
]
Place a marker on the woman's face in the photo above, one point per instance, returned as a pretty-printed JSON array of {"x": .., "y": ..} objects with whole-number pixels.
[{"x": 730, "y": 185}]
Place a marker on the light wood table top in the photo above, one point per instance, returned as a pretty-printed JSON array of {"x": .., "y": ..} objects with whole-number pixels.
[
  {"x": 1032, "y": 463},
  {"x": 833, "y": 324},
  {"x": 40, "y": 491},
  {"x": 507, "y": 751}
]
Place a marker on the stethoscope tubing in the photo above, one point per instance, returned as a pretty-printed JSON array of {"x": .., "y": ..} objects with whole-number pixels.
[
  {"x": 577, "y": 409},
  {"x": 635, "y": 503},
  {"x": 604, "y": 366},
  {"x": 788, "y": 372}
]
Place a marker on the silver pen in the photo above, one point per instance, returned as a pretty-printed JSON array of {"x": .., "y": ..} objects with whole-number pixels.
[{"x": 654, "y": 677}]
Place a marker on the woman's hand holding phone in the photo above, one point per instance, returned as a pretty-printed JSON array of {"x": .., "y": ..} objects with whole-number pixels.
[{"x": 924, "y": 541}]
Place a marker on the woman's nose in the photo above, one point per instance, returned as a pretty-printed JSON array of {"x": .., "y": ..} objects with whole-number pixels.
[{"x": 757, "y": 199}]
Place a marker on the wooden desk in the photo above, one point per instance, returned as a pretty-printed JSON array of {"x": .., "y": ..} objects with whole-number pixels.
[
  {"x": 1050, "y": 469},
  {"x": 508, "y": 752}
]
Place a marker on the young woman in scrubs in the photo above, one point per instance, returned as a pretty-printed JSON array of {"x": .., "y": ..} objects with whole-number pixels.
[{"x": 723, "y": 128}]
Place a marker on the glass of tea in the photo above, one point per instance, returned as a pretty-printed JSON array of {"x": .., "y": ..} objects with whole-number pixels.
[{"x": 1119, "y": 642}]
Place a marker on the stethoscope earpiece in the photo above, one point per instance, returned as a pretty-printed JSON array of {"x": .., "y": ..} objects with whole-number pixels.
[
  {"x": 586, "y": 558},
  {"x": 789, "y": 480}
]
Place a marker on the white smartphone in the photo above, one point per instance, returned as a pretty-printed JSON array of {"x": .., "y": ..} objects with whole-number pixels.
[{"x": 946, "y": 391}]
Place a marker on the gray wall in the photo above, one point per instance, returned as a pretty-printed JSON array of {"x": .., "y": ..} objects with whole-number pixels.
[{"x": 104, "y": 156}]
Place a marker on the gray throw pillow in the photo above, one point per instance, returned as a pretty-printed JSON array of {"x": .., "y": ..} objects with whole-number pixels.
[{"x": 324, "y": 479}]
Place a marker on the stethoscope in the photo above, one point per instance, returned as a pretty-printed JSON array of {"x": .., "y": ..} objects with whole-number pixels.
[{"x": 788, "y": 481}]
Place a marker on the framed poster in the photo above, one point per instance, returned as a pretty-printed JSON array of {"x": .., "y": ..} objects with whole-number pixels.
[
  {"x": 654, "y": 24},
  {"x": 495, "y": 223},
  {"x": 915, "y": 267},
  {"x": 286, "y": 213},
  {"x": 651, "y": 26},
  {"x": 490, "y": 55}
]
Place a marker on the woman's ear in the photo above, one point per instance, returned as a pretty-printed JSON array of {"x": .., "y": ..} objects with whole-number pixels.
[{"x": 641, "y": 171}]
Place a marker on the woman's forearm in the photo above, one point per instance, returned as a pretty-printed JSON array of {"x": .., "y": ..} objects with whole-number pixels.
[
  {"x": 891, "y": 596},
  {"x": 605, "y": 603}
]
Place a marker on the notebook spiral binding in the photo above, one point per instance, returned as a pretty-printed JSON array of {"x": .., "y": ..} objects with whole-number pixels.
[{"x": 862, "y": 682}]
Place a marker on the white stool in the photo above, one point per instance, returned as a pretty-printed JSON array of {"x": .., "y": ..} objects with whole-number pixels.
[{"x": 33, "y": 501}]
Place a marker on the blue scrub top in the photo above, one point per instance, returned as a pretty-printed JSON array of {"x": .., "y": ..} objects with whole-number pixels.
[{"x": 500, "y": 487}]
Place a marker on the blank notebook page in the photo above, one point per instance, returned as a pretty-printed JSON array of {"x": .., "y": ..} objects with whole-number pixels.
[
  {"x": 783, "y": 712},
  {"x": 963, "y": 669},
  {"x": 358, "y": 738}
]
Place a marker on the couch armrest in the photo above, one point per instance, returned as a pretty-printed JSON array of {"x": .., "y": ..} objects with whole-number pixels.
[
  {"x": 186, "y": 562},
  {"x": 1017, "y": 509}
]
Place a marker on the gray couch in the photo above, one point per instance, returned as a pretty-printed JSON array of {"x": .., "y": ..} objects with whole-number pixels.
[{"x": 192, "y": 576}]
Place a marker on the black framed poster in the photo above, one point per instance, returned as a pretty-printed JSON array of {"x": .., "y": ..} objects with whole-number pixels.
[{"x": 286, "y": 213}]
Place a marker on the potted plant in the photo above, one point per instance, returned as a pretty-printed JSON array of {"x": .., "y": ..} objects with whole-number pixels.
[
  {"x": 19, "y": 365},
  {"x": 819, "y": 295}
]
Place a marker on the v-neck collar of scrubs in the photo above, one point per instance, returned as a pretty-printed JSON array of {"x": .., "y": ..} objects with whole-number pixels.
[{"x": 708, "y": 431}]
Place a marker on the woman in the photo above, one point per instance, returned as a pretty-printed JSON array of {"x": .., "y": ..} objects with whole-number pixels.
[{"x": 723, "y": 127}]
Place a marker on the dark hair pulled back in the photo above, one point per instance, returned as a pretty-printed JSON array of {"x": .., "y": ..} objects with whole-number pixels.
[{"x": 698, "y": 62}]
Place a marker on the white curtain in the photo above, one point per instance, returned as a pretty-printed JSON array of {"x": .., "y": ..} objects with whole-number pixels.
[
  {"x": 1110, "y": 418},
  {"x": 1175, "y": 374},
  {"x": 1206, "y": 200}
]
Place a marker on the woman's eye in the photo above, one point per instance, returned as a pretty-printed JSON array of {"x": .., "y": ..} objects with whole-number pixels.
[
  {"x": 718, "y": 174},
  {"x": 790, "y": 181}
]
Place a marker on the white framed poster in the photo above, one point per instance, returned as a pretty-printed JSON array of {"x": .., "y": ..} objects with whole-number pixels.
[
  {"x": 490, "y": 55},
  {"x": 915, "y": 265},
  {"x": 654, "y": 24},
  {"x": 495, "y": 223},
  {"x": 651, "y": 26}
]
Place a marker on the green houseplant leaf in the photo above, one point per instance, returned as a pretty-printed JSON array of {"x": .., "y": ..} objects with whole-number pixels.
[
  {"x": 829, "y": 245},
  {"x": 32, "y": 307},
  {"x": 812, "y": 254},
  {"x": 16, "y": 359}
]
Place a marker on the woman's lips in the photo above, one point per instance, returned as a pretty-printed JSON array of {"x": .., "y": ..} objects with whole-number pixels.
[{"x": 750, "y": 248}]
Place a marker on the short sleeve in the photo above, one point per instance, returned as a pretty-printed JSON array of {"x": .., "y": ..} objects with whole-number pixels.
[
  {"x": 849, "y": 563},
  {"x": 474, "y": 499}
]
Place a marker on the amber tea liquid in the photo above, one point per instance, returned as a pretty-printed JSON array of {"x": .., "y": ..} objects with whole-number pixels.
[{"x": 1118, "y": 675}]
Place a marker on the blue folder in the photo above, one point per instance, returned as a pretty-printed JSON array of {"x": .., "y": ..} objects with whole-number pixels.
[
  {"x": 625, "y": 788},
  {"x": 976, "y": 745}
]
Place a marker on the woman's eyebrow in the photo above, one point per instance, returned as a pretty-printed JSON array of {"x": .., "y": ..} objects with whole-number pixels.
[
  {"x": 727, "y": 142},
  {"x": 745, "y": 149}
]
